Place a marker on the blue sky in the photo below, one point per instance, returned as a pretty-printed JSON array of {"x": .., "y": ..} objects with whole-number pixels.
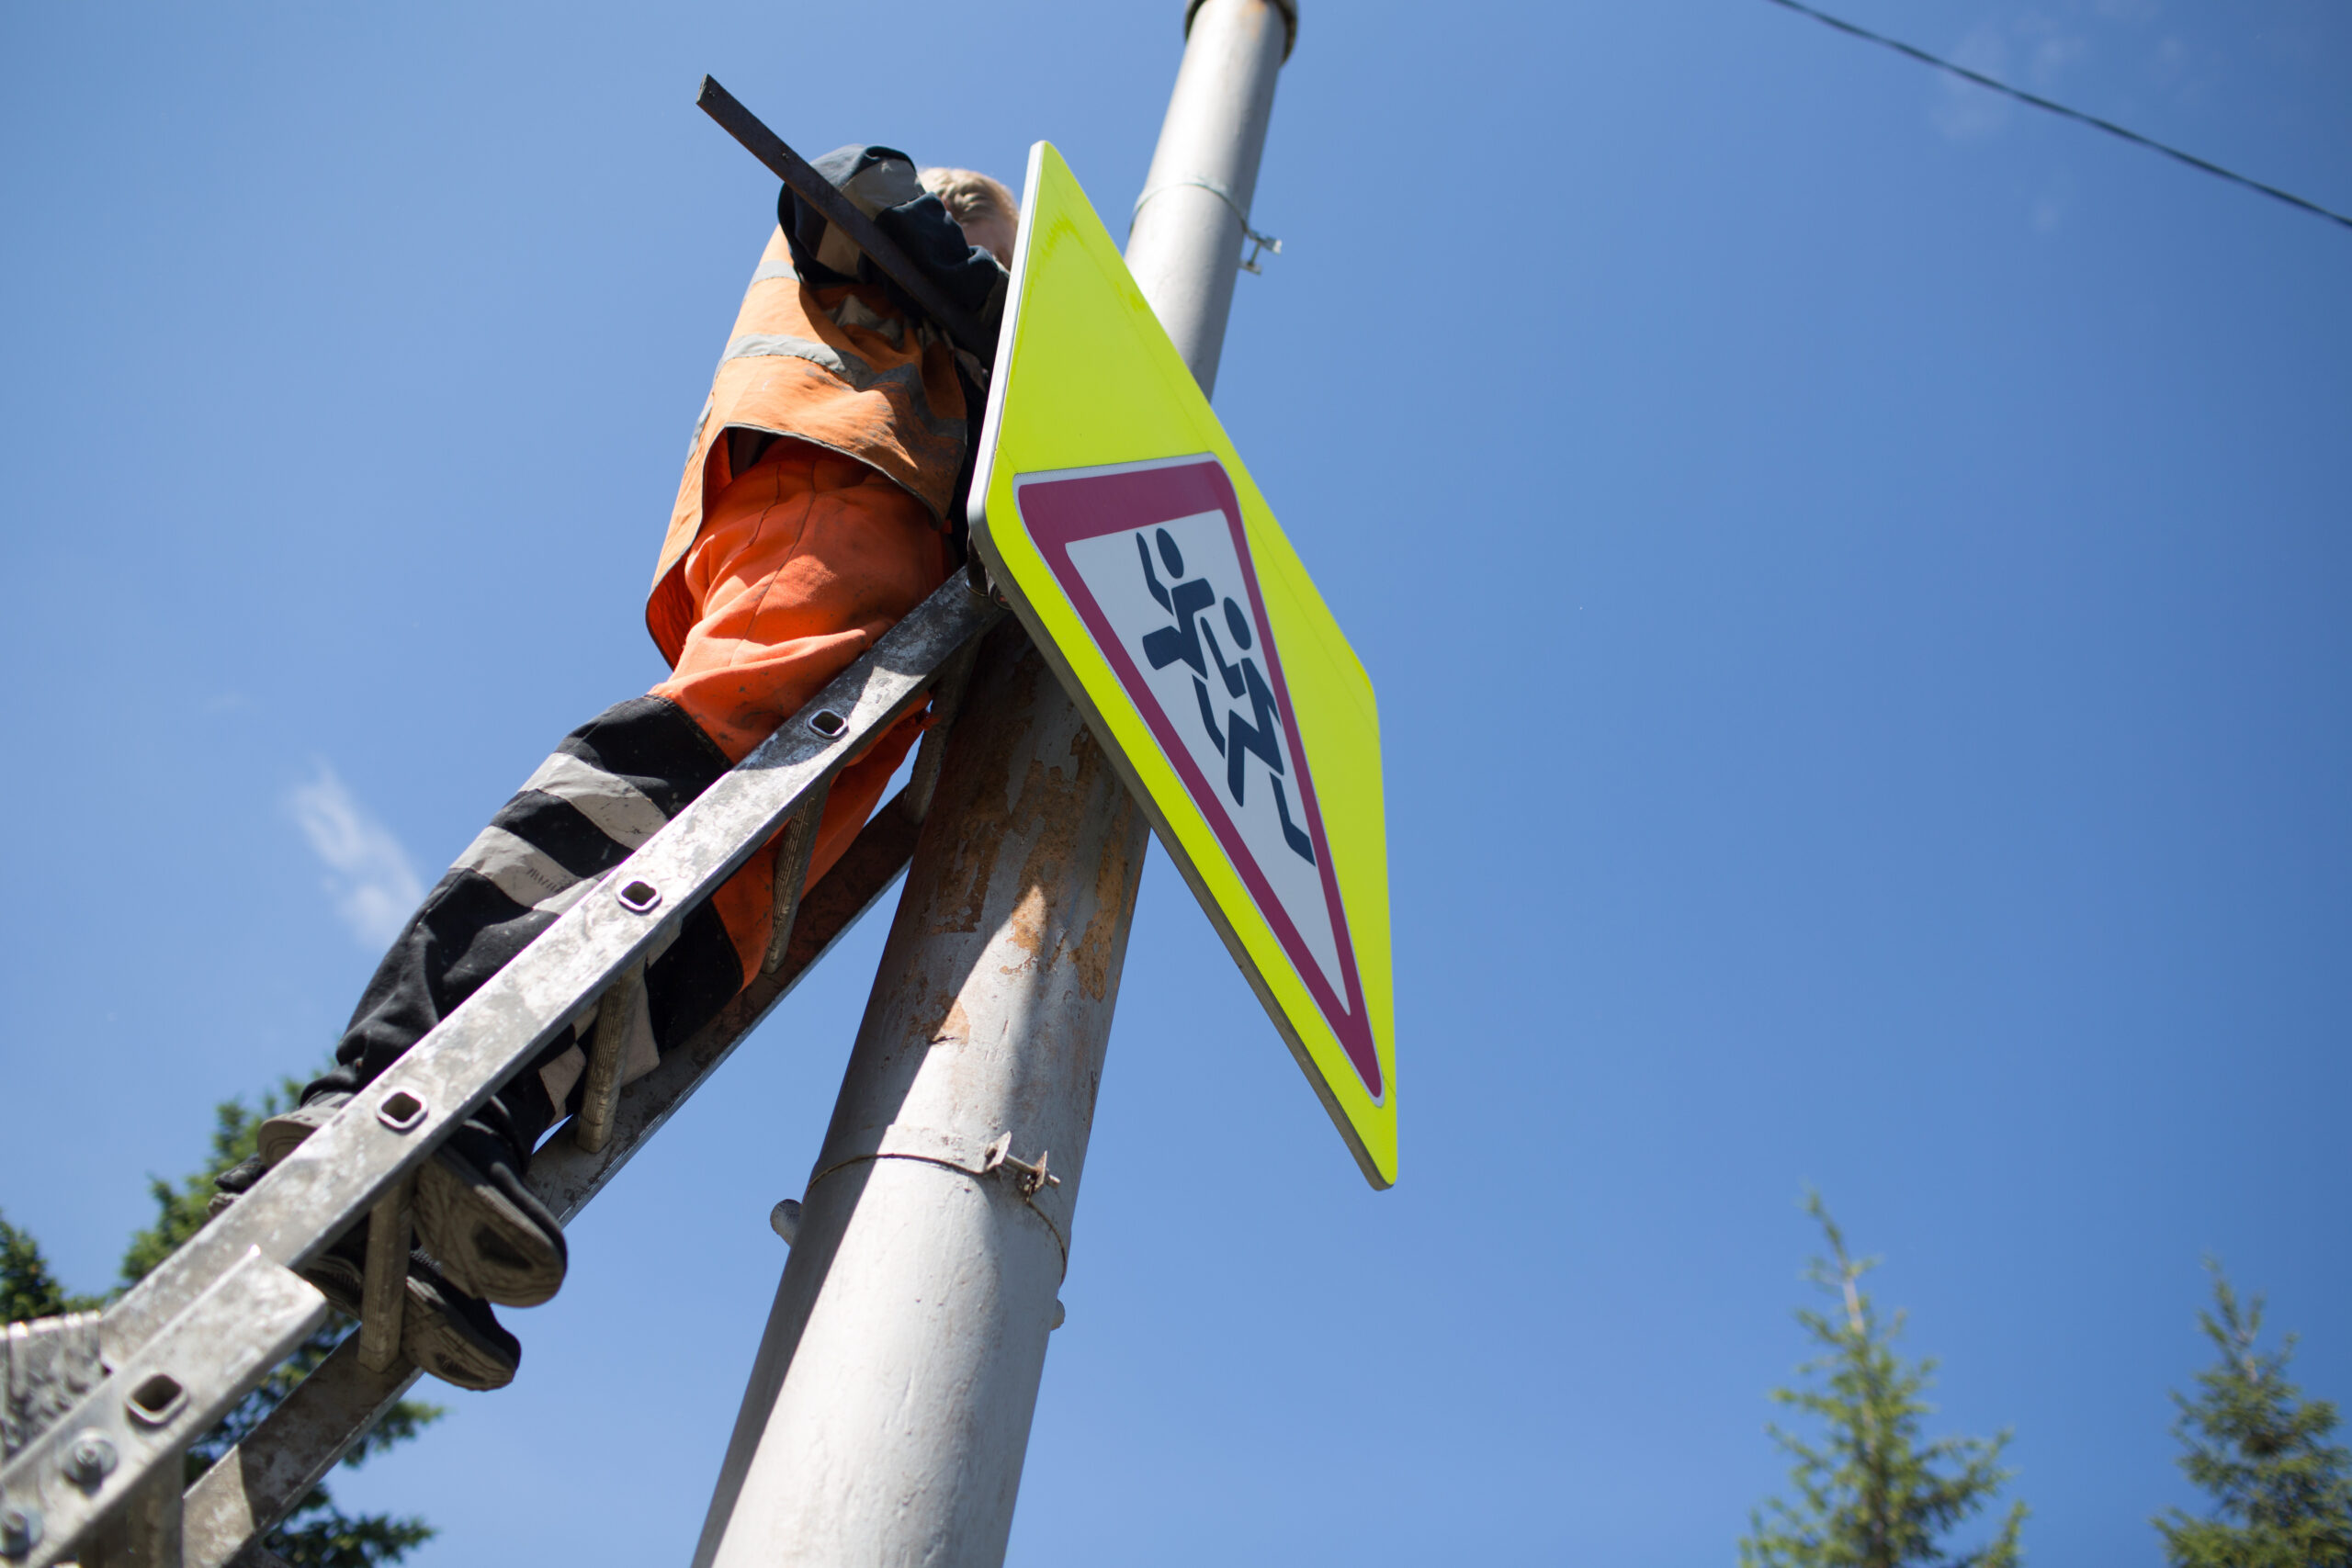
[{"x": 1855, "y": 572}]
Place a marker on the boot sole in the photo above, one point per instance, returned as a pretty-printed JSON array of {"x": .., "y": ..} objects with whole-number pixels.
[
  {"x": 432, "y": 1336},
  {"x": 283, "y": 1133},
  {"x": 486, "y": 1244}
]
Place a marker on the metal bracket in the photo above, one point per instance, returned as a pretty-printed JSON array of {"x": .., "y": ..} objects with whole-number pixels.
[{"x": 1030, "y": 1178}]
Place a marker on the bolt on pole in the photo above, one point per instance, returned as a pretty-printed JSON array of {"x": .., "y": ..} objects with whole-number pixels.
[{"x": 889, "y": 1409}]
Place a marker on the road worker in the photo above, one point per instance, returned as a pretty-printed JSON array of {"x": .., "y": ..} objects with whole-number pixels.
[{"x": 820, "y": 502}]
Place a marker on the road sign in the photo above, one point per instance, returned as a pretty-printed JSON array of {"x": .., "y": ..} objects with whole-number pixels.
[{"x": 1119, "y": 521}]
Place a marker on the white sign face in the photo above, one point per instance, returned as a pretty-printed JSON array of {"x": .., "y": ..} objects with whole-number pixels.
[{"x": 1175, "y": 596}]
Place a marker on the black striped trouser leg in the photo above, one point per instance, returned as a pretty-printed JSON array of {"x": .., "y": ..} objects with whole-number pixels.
[{"x": 607, "y": 788}]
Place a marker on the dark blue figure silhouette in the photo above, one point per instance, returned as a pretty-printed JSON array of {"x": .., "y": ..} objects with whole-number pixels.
[
  {"x": 1183, "y": 640},
  {"x": 1240, "y": 738},
  {"x": 1169, "y": 643}
]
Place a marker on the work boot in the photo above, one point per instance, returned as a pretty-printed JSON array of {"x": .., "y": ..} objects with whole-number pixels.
[
  {"x": 482, "y": 1222},
  {"x": 234, "y": 1183},
  {"x": 281, "y": 1134},
  {"x": 489, "y": 1231},
  {"x": 442, "y": 1330}
]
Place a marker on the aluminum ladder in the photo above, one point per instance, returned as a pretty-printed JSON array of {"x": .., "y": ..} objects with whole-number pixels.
[{"x": 101, "y": 1408}]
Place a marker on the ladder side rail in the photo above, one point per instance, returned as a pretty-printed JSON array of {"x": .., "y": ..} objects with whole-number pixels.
[
  {"x": 358, "y": 1155},
  {"x": 253, "y": 1487}
]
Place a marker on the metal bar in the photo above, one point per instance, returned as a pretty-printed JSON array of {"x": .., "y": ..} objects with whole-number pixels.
[
  {"x": 877, "y": 1428},
  {"x": 384, "y": 1290},
  {"x": 792, "y": 851},
  {"x": 132, "y": 1428},
  {"x": 860, "y": 231},
  {"x": 250, "y": 1491},
  {"x": 387, "y": 1131},
  {"x": 602, "y": 1088}
]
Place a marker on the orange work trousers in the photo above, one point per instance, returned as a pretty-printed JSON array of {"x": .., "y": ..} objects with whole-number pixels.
[{"x": 803, "y": 562}]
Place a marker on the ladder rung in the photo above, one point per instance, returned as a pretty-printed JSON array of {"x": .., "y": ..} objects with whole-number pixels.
[
  {"x": 624, "y": 999},
  {"x": 384, "y": 1293},
  {"x": 797, "y": 843},
  {"x": 946, "y": 701}
]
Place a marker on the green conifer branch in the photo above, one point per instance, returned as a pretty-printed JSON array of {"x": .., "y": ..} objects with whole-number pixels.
[
  {"x": 1870, "y": 1491},
  {"x": 2282, "y": 1493}
]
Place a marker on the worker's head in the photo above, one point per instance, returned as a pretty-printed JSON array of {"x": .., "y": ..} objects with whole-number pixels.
[{"x": 986, "y": 211}]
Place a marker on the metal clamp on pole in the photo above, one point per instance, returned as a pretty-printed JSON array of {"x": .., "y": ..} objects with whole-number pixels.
[
  {"x": 1033, "y": 1178},
  {"x": 1258, "y": 242},
  {"x": 949, "y": 1151}
]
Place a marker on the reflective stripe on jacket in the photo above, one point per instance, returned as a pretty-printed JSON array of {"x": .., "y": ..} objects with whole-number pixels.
[{"x": 839, "y": 367}]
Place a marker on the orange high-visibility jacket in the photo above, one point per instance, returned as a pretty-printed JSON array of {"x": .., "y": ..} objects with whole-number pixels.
[{"x": 839, "y": 367}]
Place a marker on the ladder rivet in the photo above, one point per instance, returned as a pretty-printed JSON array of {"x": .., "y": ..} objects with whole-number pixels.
[
  {"x": 89, "y": 1461},
  {"x": 641, "y": 898},
  {"x": 827, "y": 723},
  {"x": 19, "y": 1529}
]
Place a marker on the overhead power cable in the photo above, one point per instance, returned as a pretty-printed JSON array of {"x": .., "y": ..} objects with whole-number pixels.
[{"x": 1964, "y": 74}]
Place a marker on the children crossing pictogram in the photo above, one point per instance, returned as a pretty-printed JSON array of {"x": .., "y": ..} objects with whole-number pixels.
[
  {"x": 1154, "y": 559},
  {"x": 1183, "y": 641}
]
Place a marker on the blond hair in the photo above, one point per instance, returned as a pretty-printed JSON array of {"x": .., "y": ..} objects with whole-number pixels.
[{"x": 968, "y": 194}]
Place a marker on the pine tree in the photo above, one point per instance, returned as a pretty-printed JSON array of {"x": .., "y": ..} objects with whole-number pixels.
[
  {"x": 2282, "y": 1494},
  {"x": 27, "y": 1288},
  {"x": 318, "y": 1534},
  {"x": 1872, "y": 1495}
]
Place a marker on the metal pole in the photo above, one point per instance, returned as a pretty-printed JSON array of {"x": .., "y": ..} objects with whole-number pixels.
[
  {"x": 1185, "y": 247},
  {"x": 889, "y": 1405}
]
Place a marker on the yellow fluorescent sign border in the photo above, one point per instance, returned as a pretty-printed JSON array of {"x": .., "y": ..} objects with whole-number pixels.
[{"x": 1096, "y": 429}]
